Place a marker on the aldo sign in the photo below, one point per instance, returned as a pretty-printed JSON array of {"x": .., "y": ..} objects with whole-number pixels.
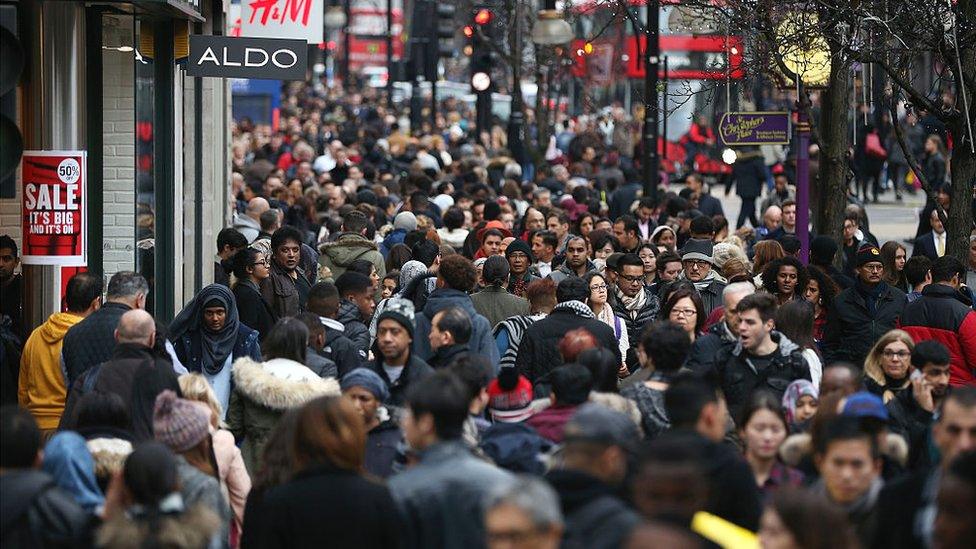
[{"x": 230, "y": 57}]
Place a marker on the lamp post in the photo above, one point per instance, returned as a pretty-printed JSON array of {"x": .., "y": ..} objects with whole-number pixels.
[
  {"x": 333, "y": 20},
  {"x": 652, "y": 54},
  {"x": 803, "y": 173}
]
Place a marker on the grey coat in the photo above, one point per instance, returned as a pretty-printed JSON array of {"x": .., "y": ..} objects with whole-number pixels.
[
  {"x": 442, "y": 497},
  {"x": 496, "y": 304}
]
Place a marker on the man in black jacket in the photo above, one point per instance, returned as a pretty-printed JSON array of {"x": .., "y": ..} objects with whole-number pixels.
[
  {"x": 229, "y": 242},
  {"x": 721, "y": 338},
  {"x": 33, "y": 510},
  {"x": 862, "y": 314},
  {"x": 323, "y": 300},
  {"x": 395, "y": 361},
  {"x": 92, "y": 340},
  {"x": 762, "y": 358},
  {"x": 450, "y": 332},
  {"x": 911, "y": 413},
  {"x": 538, "y": 352},
  {"x": 596, "y": 449},
  {"x": 633, "y": 302},
  {"x": 356, "y": 306},
  {"x": 134, "y": 373},
  {"x": 697, "y": 408}
]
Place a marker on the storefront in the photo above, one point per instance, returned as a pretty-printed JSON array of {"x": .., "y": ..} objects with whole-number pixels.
[{"x": 108, "y": 78}]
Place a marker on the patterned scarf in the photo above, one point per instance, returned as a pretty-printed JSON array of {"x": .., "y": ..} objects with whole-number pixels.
[
  {"x": 576, "y": 307},
  {"x": 633, "y": 305}
]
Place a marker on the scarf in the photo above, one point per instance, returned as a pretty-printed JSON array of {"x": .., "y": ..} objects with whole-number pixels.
[
  {"x": 67, "y": 459},
  {"x": 215, "y": 347},
  {"x": 871, "y": 295},
  {"x": 633, "y": 305},
  {"x": 576, "y": 307},
  {"x": 607, "y": 317},
  {"x": 712, "y": 276},
  {"x": 859, "y": 508}
]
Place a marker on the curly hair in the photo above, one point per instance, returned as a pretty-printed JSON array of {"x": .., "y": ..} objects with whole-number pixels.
[
  {"x": 458, "y": 272},
  {"x": 771, "y": 272},
  {"x": 828, "y": 288}
]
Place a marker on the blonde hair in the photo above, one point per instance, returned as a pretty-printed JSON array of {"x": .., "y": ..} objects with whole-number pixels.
[
  {"x": 195, "y": 387},
  {"x": 872, "y": 363}
]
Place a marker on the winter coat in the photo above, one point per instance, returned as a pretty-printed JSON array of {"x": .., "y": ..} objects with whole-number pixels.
[
  {"x": 443, "y": 495},
  {"x": 280, "y": 291},
  {"x": 716, "y": 342},
  {"x": 415, "y": 370},
  {"x": 339, "y": 348},
  {"x": 253, "y": 310},
  {"x": 199, "y": 488},
  {"x": 538, "y": 351},
  {"x": 564, "y": 271},
  {"x": 900, "y": 506},
  {"x": 91, "y": 341},
  {"x": 496, "y": 304},
  {"x": 481, "y": 342},
  {"x": 446, "y": 355},
  {"x": 322, "y": 366},
  {"x": 395, "y": 237},
  {"x": 851, "y": 330},
  {"x": 382, "y": 443},
  {"x": 339, "y": 254},
  {"x": 324, "y": 506},
  {"x": 190, "y": 529},
  {"x": 551, "y": 422},
  {"x": 749, "y": 175},
  {"x": 41, "y": 388},
  {"x": 34, "y": 512},
  {"x": 940, "y": 314},
  {"x": 136, "y": 375},
  {"x": 353, "y": 326},
  {"x": 262, "y": 392},
  {"x": 246, "y": 345},
  {"x": 636, "y": 322},
  {"x": 594, "y": 516},
  {"x": 740, "y": 378},
  {"x": 914, "y": 424}
]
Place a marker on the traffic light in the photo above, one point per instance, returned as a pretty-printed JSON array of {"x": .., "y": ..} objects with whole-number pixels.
[
  {"x": 11, "y": 65},
  {"x": 445, "y": 30}
]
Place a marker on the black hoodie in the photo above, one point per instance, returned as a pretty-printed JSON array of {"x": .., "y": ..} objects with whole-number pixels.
[{"x": 595, "y": 517}]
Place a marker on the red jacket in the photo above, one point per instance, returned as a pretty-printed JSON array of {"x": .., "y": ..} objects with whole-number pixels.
[
  {"x": 940, "y": 315},
  {"x": 551, "y": 422}
]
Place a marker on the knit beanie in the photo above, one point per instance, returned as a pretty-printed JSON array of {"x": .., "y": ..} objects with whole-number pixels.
[
  {"x": 179, "y": 423},
  {"x": 367, "y": 379},
  {"x": 867, "y": 254},
  {"x": 510, "y": 405},
  {"x": 519, "y": 245},
  {"x": 400, "y": 310},
  {"x": 406, "y": 221}
]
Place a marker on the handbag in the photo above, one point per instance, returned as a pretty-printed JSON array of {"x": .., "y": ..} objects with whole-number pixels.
[{"x": 873, "y": 147}]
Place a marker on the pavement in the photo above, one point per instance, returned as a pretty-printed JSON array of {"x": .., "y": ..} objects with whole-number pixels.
[{"x": 889, "y": 219}]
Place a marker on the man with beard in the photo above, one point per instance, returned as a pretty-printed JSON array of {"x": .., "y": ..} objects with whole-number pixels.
[
  {"x": 911, "y": 412},
  {"x": 395, "y": 363},
  {"x": 633, "y": 302},
  {"x": 627, "y": 232},
  {"x": 287, "y": 288},
  {"x": 577, "y": 263},
  {"x": 11, "y": 286}
]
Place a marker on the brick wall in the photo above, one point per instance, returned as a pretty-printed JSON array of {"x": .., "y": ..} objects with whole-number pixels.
[{"x": 119, "y": 163}]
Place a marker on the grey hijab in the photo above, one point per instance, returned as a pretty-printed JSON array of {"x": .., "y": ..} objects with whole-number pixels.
[{"x": 215, "y": 347}]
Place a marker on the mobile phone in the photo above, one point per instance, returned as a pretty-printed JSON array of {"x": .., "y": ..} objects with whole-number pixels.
[{"x": 916, "y": 374}]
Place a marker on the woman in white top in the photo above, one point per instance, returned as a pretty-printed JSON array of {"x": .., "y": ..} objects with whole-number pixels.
[
  {"x": 794, "y": 320},
  {"x": 599, "y": 290}
]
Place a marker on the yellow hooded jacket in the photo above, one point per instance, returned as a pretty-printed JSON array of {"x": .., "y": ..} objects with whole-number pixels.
[{"x": 41, "y": 388}]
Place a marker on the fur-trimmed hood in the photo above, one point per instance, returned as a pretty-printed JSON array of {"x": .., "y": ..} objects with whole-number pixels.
[
  {"x": 190, "y": 529},
  {"x": 280, "y": 384}
]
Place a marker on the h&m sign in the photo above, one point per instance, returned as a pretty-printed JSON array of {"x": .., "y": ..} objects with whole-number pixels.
[{"x": 230, "y": 57}]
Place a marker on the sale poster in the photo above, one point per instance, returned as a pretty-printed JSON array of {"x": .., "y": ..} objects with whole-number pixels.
[{"x": 54, "y": 207}]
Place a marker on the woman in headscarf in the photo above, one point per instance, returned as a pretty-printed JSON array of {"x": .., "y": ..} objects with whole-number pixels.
[
  {"x": 410, "y": 271},
  {"x": 209, "y": 336},
  {"x": 67, "y": 459}
]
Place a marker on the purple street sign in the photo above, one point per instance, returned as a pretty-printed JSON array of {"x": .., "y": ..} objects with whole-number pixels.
[{"x": 754, "y": 128}]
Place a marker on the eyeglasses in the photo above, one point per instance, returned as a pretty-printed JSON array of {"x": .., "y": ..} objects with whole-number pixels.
[
  {"x": 873, "y": 267},
  {"x": 518, "y": 255},
  {"x": 598, "y": 287},
  {"x": 684, "y": 312},
  {"x": 696, "y": 263},
  {"x": 264, "y": 262},
  {"x": 900, "y": 354},
  {"x": 632, "y": 279}
]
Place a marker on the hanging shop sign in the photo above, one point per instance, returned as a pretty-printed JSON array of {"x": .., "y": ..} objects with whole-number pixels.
[
  {"x": 54, "y": 207},
  {"x": 295, "y": 19},
  {"x": 230, "y": 57},
  {"x": 754, "y": 128}
]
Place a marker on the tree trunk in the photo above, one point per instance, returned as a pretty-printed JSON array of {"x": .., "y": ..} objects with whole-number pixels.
[
  {"x": 963, "y": 174},
  {"x": 834, "y": 144}
]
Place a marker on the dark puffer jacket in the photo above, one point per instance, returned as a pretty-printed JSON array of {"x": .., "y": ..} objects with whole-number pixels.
[
  {"x": 34, "y": 512},
  {"x": 636, "y": 322},
  {"x": 595, "y": 516},
  {"x": 705, "y": 352},
  {"x": 538, "y": 351},
  {"x": 913, "y": 423},
  {"x": 355, "y": 329},
  {"x": 852, "y": 330},
  {"x": 92, "y": 340},
  {"x": 481, "y": 343},
  {"x": 941, "y": 315},
  {"x": 740, "y": 377}
]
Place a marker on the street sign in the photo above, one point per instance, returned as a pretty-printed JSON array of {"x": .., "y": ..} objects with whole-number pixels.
[
  {"x": 294, "y": 19},
  {"x": 229, "y": 57},
  {"x": 754, "y": 128},
  {"x": 54, "y": 207}
]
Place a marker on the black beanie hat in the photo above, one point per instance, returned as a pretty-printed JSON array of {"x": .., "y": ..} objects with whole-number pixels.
[{"x": 519, "y": 245}]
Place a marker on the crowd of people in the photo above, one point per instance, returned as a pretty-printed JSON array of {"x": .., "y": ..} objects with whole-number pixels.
[{"x": 412, "y": 342}]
